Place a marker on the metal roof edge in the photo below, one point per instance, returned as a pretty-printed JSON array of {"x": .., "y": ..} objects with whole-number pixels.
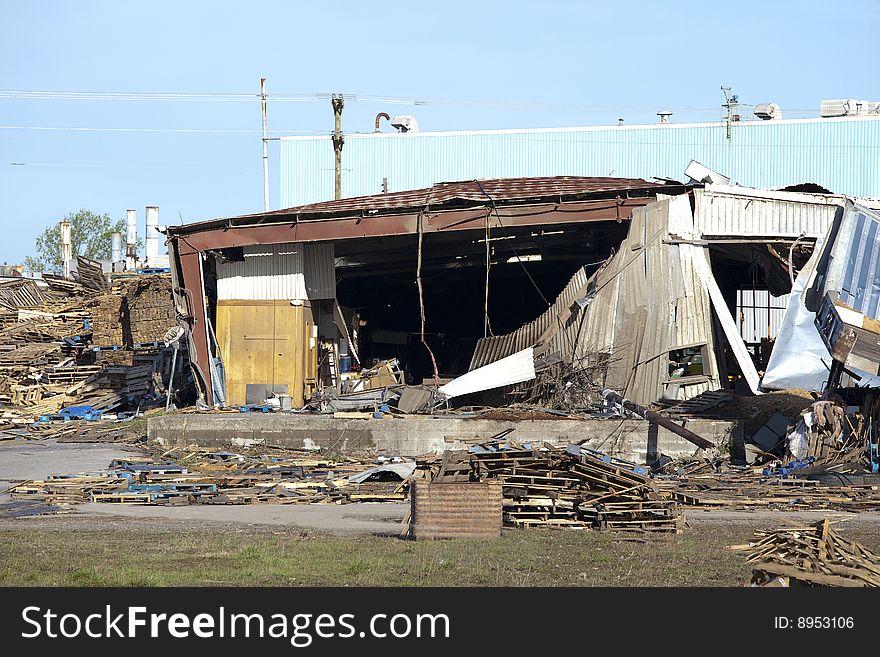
[
  {"x": 595, "y": 128},
  {"x": 754, "y": 192}
]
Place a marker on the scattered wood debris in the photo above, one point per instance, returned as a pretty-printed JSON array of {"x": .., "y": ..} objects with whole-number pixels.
[
  {"x": 547, "y": 486},
  {"x": 201, "y": 476},
  {"x": 810, "y": 556},
  {"x": 83, "y": 344}
]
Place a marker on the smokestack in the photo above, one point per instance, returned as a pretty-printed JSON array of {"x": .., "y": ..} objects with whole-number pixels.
[
  {"x": 116, "y": 248},
  {"x": 66, "y": 247},
  {"x": 131, "y": 239},
  {"x": 152, "y": 238}
]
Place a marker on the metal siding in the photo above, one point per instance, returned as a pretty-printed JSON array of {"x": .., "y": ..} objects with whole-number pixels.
[
  {"x": 753, "y": 316},
  {"x": 515, "y": 368},
  {"x": 860, "y": 285},
  {"x": 269, "y": 272},
  {"x": 320, "y": 270},
  {"x": 636, "y": 314},
  {"x": 842, "y": 155},
  {"x": 724, "y": 212}
]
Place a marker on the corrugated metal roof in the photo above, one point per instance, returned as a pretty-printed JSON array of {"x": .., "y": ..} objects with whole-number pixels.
[
  {"x": 515, "y": 368},
  {"x": 841, "y": 154}
]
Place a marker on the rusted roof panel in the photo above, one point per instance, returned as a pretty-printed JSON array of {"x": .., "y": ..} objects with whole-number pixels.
[{"x": 451, "y": 195}]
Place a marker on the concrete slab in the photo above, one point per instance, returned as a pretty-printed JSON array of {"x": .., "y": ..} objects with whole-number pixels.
[
  {"x": 34, "y": 459},
  {"x": 635, "y": 440}
]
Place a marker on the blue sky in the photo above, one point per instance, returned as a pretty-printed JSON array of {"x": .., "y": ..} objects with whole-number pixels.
[{"x": 470, "y": 65}]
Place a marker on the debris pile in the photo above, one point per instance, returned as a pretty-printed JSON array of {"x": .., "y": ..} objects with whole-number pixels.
[
  {"x": 714, "y": 483},
  {"x": 832, "y": 432},
  {"x": 810, "y": 556},
  {"x": 63, "y": 346},
  {"x": 549, "y": 486},
  {"x": 218, "y": 477}
]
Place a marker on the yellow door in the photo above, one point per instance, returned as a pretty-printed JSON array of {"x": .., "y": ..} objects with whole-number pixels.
[{"x": 266, "y": 343}]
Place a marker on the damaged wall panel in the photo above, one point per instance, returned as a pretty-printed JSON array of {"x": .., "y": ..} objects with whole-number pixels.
[{"x": 646, "y": 302}]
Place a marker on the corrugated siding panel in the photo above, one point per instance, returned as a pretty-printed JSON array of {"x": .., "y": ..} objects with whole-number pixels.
[
  {"x": 649, "y": 300},
  {"x": 842, "y": 155},
  {"x": 759, "y": 314},
  {"x": 492, "y": 349},
  {"x": 269, "y": 272},
  {"x": 860, "y": 285},
  {"x": 515, "y": 368},
  {"x": 724, "y": 214},
  {"x": 320, "y": 270}
]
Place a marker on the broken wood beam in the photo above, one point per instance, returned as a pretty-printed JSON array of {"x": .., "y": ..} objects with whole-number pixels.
[{"x": 656, "y": 418}]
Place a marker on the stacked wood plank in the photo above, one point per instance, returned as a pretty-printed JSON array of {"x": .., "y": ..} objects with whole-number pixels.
[
  {"x": 810, "y": 556},
  {"x": 107, "y": 320},
  {"x": 150, "y": 309},
  {"x": 554, "y": 487},
  {"x": 24, "y": 293}
]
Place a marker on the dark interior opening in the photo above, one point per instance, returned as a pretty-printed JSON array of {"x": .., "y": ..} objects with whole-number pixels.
[{"x": 528, "y": 268}]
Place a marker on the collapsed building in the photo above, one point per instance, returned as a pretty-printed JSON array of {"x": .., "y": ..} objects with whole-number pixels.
[{"x": 657, "y": 290}]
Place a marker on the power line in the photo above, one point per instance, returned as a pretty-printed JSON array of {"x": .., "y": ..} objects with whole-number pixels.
[
  {"x": 184, "y": 130},
  {"x": 105, "y": 96}
]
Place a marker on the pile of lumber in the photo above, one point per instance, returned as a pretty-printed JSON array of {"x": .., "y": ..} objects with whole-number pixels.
[
  {"x": 107, "y": 320},
  {"x": 150, "y": 309},
  {"x": 810, "y": 556},
  {"x": 62, "y": 344},
  {"x": 573, "y": 487},
  {"x": 217, "y": 477}
]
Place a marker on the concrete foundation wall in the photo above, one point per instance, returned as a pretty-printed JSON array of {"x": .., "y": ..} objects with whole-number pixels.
[{"x": 634, "y": 440}]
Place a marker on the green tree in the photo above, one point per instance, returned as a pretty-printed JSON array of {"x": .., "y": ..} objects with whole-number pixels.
[{"x": 90, "y": 234}]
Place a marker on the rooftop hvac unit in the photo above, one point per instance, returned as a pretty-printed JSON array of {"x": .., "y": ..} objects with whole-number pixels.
[
  {"x": 849, "y": 107},
  {"x": 405, "y": 123},
  {"x": 768, "y": 111},
  {"x": 703, "y": 174}
]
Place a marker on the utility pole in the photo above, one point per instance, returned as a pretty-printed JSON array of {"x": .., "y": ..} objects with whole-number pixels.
[
  {"x": 265, "y": 148},
  {"x": 731, "y": 103},
  {"x": 338, "y": 140}
]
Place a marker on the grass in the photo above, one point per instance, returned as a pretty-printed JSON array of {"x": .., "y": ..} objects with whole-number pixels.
[{"x": 140, "y": 557}]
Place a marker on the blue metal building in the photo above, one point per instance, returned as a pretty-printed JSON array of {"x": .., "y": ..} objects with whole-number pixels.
[{"x": 841, "y": 154}]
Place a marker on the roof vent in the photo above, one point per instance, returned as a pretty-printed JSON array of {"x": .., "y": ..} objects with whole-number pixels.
[
  {"x": 849, "y": 107},
  {"x": 768, "y": 111},
  {"x": 664, "y": 116},
  {"x": 405, "y": 123}
]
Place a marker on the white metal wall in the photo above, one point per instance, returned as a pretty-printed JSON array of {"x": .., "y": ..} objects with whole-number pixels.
[
  {"x": 759, "y": 314},
  {"x": 734, "y": 211},
  {"x": 278, "y": 272},
  {"x": 841, "y": 154}
]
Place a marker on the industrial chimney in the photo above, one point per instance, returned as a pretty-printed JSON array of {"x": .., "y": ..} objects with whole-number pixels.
[
  {"x": 66, "y": 247},
  {"x": 131, "y": 239},
  {"x": 152, "y": 238},
  {"x": 116, "y": 248}
]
